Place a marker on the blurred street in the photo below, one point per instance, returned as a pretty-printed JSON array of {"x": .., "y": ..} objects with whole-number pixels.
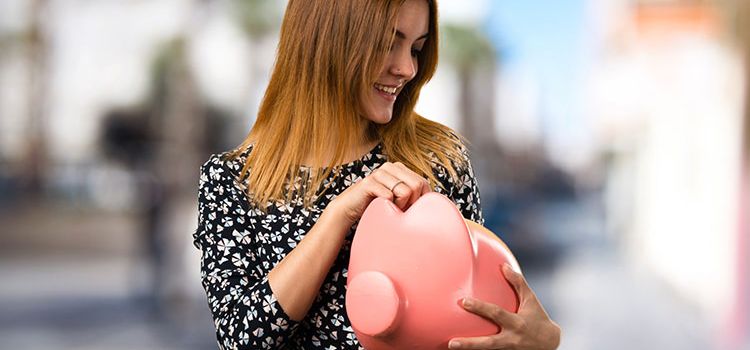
[
  {"x": 84, "y": 289},
  {"x": 74, "y": 279}
]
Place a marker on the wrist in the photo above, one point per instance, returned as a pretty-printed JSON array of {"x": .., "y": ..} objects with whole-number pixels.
[{"x": 335, "y": 217}]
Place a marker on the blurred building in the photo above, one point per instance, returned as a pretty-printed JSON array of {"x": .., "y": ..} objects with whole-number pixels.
[{"x": 668, "y": 95}]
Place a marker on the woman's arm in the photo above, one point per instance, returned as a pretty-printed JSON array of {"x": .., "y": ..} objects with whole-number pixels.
[
  {"x": 296, "y": 280},
  {"x": 233, "y": 267}
]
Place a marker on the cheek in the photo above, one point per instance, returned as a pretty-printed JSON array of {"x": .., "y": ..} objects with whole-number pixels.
[{"x": 369, "y": 106}]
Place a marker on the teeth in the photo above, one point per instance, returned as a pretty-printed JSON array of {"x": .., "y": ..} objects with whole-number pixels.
[{"x": 386, "y": 89}]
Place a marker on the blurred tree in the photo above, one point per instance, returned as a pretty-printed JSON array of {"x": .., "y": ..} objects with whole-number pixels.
[
  {"x": 472, "y": 55},
  {"x": 37, "y": 46},
  {"x": 738, "y": 14},
  {"x": 178, "y": 115},
  {"x": 177, "y": 125},
  {"x": 743, "y": 31},
  {"x": 513, "y": 181},
  {"x": 474, "y": 58},
  {"x": 258, "y": 19},
  {"x": 7, "y": 43},
  {"x": 163, "y": 143}
]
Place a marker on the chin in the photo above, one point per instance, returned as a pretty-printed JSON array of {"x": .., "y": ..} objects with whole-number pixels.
[{"x": 380, "y": 118}]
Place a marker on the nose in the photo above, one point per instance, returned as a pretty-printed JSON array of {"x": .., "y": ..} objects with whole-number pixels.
[{"x": 403, "y": 65}]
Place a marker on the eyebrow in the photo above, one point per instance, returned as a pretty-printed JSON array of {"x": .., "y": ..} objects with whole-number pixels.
[{"x": 403, "y": 36}]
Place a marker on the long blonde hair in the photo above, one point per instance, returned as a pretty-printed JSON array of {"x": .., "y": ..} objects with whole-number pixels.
[{"x": 329, "y": 54}]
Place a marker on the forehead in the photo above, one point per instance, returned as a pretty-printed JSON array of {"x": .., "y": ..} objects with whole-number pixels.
[{"x": 413, "y": 18}]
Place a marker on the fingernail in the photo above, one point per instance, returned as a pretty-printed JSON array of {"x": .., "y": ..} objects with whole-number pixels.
[
  {"x": 467, "y": 302},
  {"x": 454, "y": 344}
]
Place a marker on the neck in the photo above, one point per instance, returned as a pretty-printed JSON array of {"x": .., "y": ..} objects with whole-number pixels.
[{"x": 365, "y": 142}]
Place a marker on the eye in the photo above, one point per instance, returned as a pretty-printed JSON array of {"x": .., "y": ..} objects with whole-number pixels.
[{"x": 415, "y": 52}]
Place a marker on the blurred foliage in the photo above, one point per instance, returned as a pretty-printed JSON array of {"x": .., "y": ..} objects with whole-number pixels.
[
  {"x": 743, "y": 22},
  {"x": 466, "y": 46},
  {"x": 737, "y": 16},
  {"x": 257, "y": 17},
  {"x": 170, "y": 55},
  {"x": 9, "y": 39}
]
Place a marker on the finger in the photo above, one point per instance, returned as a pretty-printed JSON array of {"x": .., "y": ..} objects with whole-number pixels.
[
  {"x": 412, "y": 179},
  {"x": 416, "y": 182},
  {"x": 426, "y": 188},
  {"x": 401, "y": 192},
  {"x": 405, "y": 188},
  {"x": 489, "y": 342},
  {"x": 490, "y": 311},
  {"x": 376, "y": 189},
  {"x": 399, "y": 184},
  {"x": 518, "y": 282},
  {"x": 424, "y": 184}
]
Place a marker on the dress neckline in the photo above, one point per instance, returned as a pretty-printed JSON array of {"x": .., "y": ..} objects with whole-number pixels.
[{"x": 377, "y": 149}]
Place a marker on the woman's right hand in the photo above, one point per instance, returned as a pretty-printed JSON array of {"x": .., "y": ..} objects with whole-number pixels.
[
  {"x": 392, "y": 181},
  {"x": 296, "y": 280}
]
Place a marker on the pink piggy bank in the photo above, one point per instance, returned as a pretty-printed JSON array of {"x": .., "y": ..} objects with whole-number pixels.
[{"x": 409, "y": 271}]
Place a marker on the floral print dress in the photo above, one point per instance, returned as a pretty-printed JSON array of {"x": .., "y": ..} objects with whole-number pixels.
[{"x": 239, "y": 247}]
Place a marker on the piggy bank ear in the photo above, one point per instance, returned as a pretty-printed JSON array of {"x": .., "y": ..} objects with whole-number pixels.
[
  {"x": 413, "y": 242},
  {"x": 491, "y": 255}
]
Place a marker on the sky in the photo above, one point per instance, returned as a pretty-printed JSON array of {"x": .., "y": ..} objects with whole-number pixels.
[{"x": 547, "y": 42}]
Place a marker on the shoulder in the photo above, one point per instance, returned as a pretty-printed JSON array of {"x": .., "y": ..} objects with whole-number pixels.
[
  {"x": 441, "y": 142},
  {"x": 220, "y": 197},
  {"x": 453, "y": 153},
  {"x": 224, "y": 168},
  {"x": 452, "y": 169}
]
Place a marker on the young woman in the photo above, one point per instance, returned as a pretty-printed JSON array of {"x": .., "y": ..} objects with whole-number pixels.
[{"x": 335, "y": 130}]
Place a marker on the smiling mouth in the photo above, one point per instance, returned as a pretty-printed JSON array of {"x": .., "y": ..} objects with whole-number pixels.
[{"x": 391, "y": 90}]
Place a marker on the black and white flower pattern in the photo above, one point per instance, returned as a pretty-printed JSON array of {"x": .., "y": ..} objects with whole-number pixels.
[{"x": 240, "y": 245}]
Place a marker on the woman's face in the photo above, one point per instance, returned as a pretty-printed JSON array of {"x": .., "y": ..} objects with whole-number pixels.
[{"x": 401, "y": 63}]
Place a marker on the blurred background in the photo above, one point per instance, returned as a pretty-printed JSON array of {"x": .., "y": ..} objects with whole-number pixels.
[{"x": 609, "y": 137}]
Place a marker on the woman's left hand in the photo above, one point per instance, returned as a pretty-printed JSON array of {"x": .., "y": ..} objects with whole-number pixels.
[{"x": 530, "y": 328}]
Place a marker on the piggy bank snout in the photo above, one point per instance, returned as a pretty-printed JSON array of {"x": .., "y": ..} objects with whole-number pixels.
[{"x": 373, "y": 303}]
